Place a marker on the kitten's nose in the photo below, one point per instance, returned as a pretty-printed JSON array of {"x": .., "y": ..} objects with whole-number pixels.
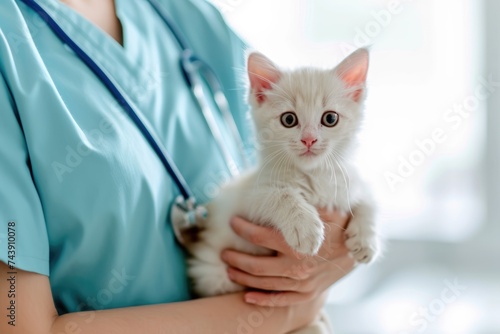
[{"x": 308, "y": 141}]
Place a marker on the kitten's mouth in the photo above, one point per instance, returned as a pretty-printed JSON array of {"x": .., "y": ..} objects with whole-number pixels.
[{"x": 308, "y": 153}]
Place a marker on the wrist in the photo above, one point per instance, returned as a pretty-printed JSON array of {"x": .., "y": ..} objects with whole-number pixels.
[{"x": 302, "y": 314}]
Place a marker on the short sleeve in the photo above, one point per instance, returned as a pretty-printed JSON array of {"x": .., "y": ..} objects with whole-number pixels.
[{"x": 23, "y": 233}]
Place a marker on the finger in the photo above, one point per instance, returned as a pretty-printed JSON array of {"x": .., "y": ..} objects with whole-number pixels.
[
  {"x": 335, "y": 225},
  {"x": 266, "y": 237},
  {"x": 341, "y": 268},
  {"x": 281, "y": 266},
  {"x": 277, "y": 299},
  {"x": 253, "y": 264},
  {"x": 335, "y": 222},
  {"x": 333, "y": 246},
  {"x": 335, "y": 217},
  {"x": 268, "y": 283}
]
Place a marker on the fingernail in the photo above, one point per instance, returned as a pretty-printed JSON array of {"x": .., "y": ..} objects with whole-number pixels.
[
  {"x": 230, "y": 274},
  {"x": 223, "y": 256},
  {"x": 250, "y": 300}
]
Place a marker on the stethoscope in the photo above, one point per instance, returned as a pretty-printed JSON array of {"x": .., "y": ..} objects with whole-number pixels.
[{"x": 185, "y": 213}]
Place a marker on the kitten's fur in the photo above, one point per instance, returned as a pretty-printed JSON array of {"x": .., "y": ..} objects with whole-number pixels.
[{"x": 287, "y": 187}]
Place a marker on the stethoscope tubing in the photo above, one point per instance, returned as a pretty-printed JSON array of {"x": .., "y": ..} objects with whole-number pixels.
[
  {"x": 141, "y": 123},
  {"x": 191, "y": 65}
]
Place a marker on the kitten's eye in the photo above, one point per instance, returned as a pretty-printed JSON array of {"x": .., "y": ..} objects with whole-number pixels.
[
  {"x": 289, "y": 119},
  {"x": 330, "y": 119}
]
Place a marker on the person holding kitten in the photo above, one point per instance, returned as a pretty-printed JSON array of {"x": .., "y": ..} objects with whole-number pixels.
[{"x": 86, "y": 245}]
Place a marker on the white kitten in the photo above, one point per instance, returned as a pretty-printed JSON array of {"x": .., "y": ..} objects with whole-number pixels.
[{"x": 310, "y": 118}]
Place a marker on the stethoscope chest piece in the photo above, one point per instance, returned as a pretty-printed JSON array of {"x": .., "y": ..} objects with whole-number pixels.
[{"x": 188, "y": 219}]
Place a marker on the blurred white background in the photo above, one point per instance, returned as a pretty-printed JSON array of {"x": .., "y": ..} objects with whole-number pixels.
[{"x": 430, "y": 146}]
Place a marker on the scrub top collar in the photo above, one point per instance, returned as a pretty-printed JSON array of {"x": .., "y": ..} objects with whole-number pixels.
[{"x": 121, "y": 63}]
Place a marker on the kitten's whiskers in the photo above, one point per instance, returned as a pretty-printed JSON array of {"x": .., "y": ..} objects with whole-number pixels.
[{"x": 336, "y": 157}]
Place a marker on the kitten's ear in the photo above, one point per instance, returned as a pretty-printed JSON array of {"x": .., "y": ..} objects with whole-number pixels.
[
  {"x": 262, "y": 74},
  {"x": 353, "y": 71}
]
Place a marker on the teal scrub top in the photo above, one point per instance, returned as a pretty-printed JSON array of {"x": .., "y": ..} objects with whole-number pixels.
[{"x": 87, "y": 195}]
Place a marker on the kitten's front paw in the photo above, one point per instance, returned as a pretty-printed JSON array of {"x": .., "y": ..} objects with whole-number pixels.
[
  {"x": 363, "y": 246},
  {"x": 305, "y": 236}
]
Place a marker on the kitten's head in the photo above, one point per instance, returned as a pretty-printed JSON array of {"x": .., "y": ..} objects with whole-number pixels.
[{"x": 307, "y": 116}]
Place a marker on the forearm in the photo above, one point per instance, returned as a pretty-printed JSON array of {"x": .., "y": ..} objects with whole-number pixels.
[
  {"x": 34, "y": 312},
  {"x": 222, "y": 314}
]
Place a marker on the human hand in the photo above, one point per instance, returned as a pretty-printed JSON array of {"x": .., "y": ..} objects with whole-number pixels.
[{"x": 288, "y": 277}]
